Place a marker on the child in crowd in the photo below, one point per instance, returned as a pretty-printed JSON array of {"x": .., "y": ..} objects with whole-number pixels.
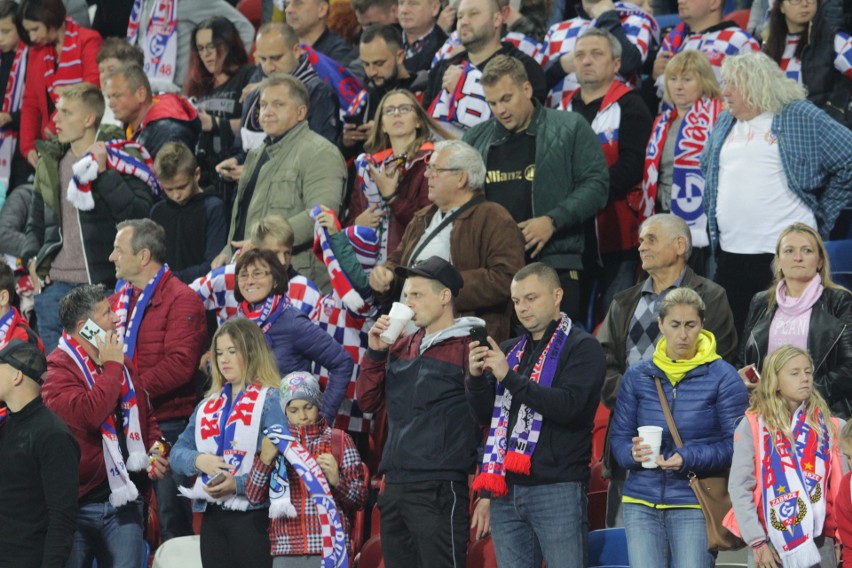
[
  {"x": 843, "y": 506},
  {"x": 195, "y": 222},
  {"x": 14, "y": 168},
  {"x": 12, "y": 324},
  {"x": 299, "y": 500},
  {"x": 273, "y": 233}
]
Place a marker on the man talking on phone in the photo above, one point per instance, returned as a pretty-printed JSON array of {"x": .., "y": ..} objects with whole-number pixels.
[
  {"x": 95, "y": 389},
  {"x": 540, "y": 394}
]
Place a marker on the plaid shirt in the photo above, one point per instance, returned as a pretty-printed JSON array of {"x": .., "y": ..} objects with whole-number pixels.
[
  {"x": 216, "y": 290},
  {"x": 303, "y": 533},
  {"x": 816, "y": 152}
]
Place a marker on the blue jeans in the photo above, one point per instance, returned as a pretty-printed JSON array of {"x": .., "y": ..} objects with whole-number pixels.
[
  {"x": 173, "y": 511},
  {"x": 111, "y": 536},
  {"x": 47, "y": 312},
  {"x": 541, "y": 521},
  {"x": 658, "y": 538}
]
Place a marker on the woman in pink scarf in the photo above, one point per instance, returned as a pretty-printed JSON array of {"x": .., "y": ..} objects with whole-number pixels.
[{"x": 806, "y": 309}]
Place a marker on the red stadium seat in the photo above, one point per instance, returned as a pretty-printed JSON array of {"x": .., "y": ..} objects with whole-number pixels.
[
  {"x": 371, "y": 554},
  {"x": 253, "y": 11},
  {"x": 480, "y": 554},
  {"x": 597, "y": 510},
  {"x": 739, "y": 17}
]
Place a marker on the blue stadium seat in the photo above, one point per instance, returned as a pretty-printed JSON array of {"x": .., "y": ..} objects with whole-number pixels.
[
  {"x": 608, "y": 547},
  {"x": 840, "y": 257}
]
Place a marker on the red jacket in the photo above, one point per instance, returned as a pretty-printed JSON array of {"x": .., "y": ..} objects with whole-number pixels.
[
  {"x": 35, "y": 117},
  {"x": 843, "y": 510},
  {"x": 171, "y": 339},
  {"x": 20, "y": 329},
  {"x": 66, "y": 393}
]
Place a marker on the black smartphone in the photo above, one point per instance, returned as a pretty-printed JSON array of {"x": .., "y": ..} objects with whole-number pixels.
[
  {"x": 480, "y": 334},
  {"x": 351, "y": 119}
]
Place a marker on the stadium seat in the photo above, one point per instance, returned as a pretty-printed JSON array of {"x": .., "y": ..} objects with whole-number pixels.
[
  {"x": 608, "y": 547},
  {"x": 739, "y": 17},
  {"x": 597, "y": 510},
  {"x": 480, "y": 554},
  {"x": 371, "y": 554},
  {"x": 840, "y": 258},
  {"x": 253, "y": 12},
  {"x": 181, "y": 552}
]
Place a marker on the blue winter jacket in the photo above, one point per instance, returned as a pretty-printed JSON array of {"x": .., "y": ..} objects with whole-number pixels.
[
  {"x": 297, "y": 343},
  {"x": 707, "y": 405}
]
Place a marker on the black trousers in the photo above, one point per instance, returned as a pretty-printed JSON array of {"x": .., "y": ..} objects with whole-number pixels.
[
  {"x": 235, "y": 538},
  {"x": 425, "y": 524},
  {"x": 742, "y": 276}
]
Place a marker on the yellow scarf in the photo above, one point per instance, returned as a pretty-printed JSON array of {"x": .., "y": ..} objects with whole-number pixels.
[{"x": 675, "y": 370}]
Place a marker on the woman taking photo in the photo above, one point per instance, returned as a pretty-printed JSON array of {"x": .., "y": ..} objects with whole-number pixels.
[
  {"x": 805, "y": 308},
  {"x": 391, "y": 181},
  {"x": 217, "y": 73},
  {"x": 787, "y": 468},
  {"x": 673, "y": 182},
  {"x": 220, "y": 449},
  {"x": 61, "y": 54},
  {"x": 665, "y": 525},
  {"x": 297, "y": 343}
]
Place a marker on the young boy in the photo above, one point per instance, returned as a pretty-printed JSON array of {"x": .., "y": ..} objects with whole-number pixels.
[
  {"x": 14, "y": 168},
  {"x": 195, "y": 222},
  {"x": 274, "y": 233},
  {"x": 295, "y": 528},
  {"x": 843, "y": 502},
  {"x": 12, "y": 324}
]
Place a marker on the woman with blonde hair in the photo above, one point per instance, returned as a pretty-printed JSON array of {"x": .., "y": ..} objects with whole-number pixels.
[
  {"x": 805, "y": 308},
  {"x": 787, "y": 468},
  {"x": 391, "y": 181},
  {"x": 772, "y": 159},
  {"x": 220, "y": 441},
  {"x": 673, "y": 182}
]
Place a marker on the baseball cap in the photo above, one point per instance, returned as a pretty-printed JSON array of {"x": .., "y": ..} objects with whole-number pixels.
[
  {"x": 435, "y": 268},
  {"x": 25, "y": 357}
]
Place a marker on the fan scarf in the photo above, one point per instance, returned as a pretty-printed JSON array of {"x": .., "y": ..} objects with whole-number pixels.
[
  {"x": 228, "y": 426},
  {"x": 264, "y": 315},
  {"x": 465, "y": 107},
  {"x": 794, "y": 489},
  {"x": 121, "y": 488},
  {"x": 6, "y": 326},
  {"x": 161, "y": 37},
  {"x": 334, "y": 553},
  {"x": 516, "y": 455},
  {"x": 69, "y": 71},
  {"x": 85, "y": 171},
  {"x": 346, "y": 85},
  {"x": 687, "y": 179},
  {"x": 129, "y": 329},
  {"x": 12, "y": 103},
  {"x": 371, "y": 190}
]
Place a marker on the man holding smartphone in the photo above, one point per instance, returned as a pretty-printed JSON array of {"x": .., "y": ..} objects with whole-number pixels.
[{"x": 540, "y": 394}]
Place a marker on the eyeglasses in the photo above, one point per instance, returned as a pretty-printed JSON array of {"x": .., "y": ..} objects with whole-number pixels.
[
  {"x": 211, "y": 47},
  {"x": 255, "y": 275},
  {"x": 401, "y": 109},
  {"x": 432, "y": 170}
]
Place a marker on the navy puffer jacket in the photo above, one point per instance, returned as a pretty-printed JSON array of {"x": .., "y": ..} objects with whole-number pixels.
[{"x": 707, "y": 405}]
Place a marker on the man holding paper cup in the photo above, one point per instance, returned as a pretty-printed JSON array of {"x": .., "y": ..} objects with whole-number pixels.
[
  {"x": 539, "y": 393},
  {"x": 432, "y": 435}
]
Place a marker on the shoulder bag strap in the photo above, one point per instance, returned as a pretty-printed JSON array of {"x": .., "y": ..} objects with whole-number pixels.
[
  {"x": 447, "y": 220},
  {"x": 668, "y": 413}
]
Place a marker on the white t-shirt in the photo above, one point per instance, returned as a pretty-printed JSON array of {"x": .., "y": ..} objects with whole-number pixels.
[{"x": 754, "y": 202}]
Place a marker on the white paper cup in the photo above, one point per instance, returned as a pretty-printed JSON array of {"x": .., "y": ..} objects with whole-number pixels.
[
  {"x": 651, "y": 436},
  {"x": 399, "y": 315}
]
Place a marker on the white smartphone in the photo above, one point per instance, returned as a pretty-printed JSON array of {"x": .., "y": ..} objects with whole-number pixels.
[{"x": 91, "y": 330}]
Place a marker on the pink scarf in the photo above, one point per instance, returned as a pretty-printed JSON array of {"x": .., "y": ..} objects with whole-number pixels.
[{"x": 792, "y": 320}]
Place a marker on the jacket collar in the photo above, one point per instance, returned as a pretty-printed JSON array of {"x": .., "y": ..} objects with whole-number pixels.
[{"x": 276, "y": 144}]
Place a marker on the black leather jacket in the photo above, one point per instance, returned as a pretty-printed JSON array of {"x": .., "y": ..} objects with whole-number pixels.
[{"x": 829, "y": 343}]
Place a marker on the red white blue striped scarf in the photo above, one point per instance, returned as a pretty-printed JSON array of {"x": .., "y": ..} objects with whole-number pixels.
[
  {"x": 69, "y": 70},
  {"x": 129, "y": 328},
  {"x": 12, "y": 103}
]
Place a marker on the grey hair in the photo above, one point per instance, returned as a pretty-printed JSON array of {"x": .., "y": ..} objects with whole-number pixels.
[
  {"x": 79, "y": 304},
  {"x": 464, "y": 157},
  {"x": 614, "y": 46},
  {"x": 673, "y": 225},
  {"x": 146, "y": 235},
  {"x": 762, "y": 84}
]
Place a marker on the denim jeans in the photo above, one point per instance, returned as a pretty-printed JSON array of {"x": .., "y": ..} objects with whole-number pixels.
[
  {"x": 173, "y": 511},
  {"x": 111, "y": 536},
  {"x": 541, "y": 521},
  {"x": 658, "y": 538},
  {"x": 47, "y": 312}
]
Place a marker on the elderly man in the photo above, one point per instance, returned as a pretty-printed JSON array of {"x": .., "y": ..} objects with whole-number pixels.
[
  {"x": 151, "y": 121},
  {"x": 277, "y": 50},
  {"x": 543, "y": 161},
  {"x": 629, "y": 332},
  {"x": 478, "y": 237},
  {"x": 94, "y": 387},
  {"x": 293, "y": 170},
  {"x": 543, "y": 386},
  {"x": 432, "y": 435},
  {"x": 38, "y": 480},
  {"x": 162, "y": 323},
  {"x": 621, "y": 120}
]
